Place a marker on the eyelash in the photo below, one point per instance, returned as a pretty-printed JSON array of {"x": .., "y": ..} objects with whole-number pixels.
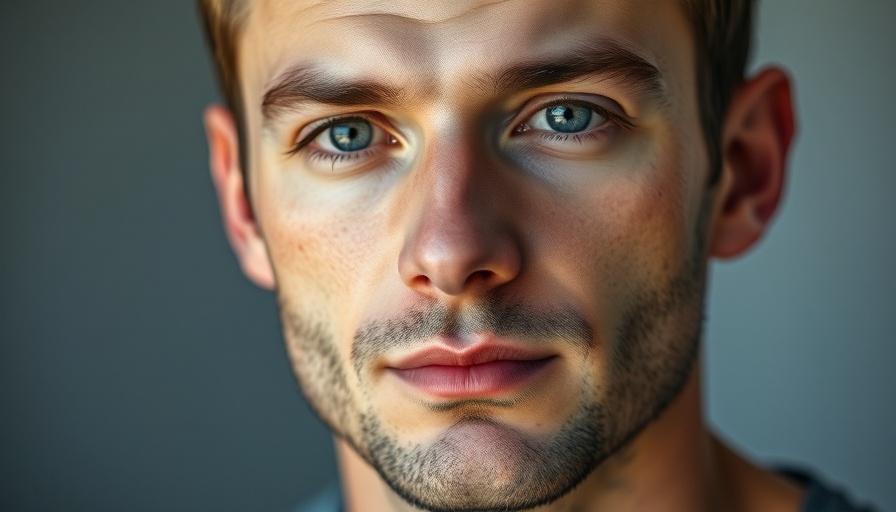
[
  {"x": 326, "y": 124},
  {"x": 575, "y": 137},
  {"x": 335, "y": 158},
  {"x": 612, "y": 120}
]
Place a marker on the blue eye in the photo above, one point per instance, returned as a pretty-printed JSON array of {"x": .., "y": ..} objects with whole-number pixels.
[
  {"x": 568, "y": 118},
  {"x": 351, "y": 136}
]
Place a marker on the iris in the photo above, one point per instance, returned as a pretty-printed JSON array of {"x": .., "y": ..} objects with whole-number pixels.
[
  {"x": 351, "y": 135},
  {"x": 568, "y": 118}
]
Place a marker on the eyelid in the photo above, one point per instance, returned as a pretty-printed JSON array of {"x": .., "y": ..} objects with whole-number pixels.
[
  {"x": 535, "y": 106},
  {"x": 320, "y": 126}
]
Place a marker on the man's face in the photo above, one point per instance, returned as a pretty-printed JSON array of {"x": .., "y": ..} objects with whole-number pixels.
[{"x": 486, "y": 221}]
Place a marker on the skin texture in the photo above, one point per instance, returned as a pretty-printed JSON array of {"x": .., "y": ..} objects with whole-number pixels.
[{"x": 466, "y": 222}]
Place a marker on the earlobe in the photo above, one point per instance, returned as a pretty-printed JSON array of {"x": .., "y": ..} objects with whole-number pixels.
[
  {"x": 239, "y": 220},
  {"x": 756, "y": 139}
]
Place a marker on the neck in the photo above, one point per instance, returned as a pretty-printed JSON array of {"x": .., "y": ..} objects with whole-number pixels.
[{"x": 674, "y": 465}]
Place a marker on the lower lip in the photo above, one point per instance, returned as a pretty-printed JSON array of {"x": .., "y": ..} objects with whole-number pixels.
[{"x": 492, "y": 378}]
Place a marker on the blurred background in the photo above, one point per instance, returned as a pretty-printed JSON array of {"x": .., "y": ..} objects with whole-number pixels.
[{"x": 139, "y": 371}]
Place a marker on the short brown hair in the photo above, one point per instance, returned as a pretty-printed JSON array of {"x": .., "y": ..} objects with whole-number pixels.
[
  {"x": 224, "y": 21},
  {"x": 722, "y": 33}
]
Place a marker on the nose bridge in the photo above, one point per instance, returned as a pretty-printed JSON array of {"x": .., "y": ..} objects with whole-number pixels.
[
  {"x": 452, "y": 178},
  {"x": 460, "y": 241}
]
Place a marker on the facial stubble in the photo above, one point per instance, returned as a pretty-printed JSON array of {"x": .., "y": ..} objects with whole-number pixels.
[{"x": 479, "y": 463}]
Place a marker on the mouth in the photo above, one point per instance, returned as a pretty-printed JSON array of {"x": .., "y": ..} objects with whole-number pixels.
[{"x": 482, "y": 370}]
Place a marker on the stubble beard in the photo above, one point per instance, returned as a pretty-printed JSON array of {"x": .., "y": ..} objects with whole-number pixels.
[{"x": 480, "y": 464}]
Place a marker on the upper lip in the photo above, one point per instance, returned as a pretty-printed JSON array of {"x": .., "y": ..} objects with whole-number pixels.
[{"x": 442, "y": 355}]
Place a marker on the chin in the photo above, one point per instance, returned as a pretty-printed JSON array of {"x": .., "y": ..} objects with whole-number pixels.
[{"x": 479, "y": 463}]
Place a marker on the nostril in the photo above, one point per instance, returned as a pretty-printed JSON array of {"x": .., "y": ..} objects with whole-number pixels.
[
  {"x": 420, "y": 282},
  {"x": 480, "y": 277}
]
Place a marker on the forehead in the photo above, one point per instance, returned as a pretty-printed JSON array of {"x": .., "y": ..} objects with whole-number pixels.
[{"x": 428, "y": 43}]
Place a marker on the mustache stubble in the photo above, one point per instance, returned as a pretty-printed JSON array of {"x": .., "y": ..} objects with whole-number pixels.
[{"x": 495, "y": 314}]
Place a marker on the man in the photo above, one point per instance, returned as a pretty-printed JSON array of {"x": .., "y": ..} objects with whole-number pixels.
[{"x": 488, "y": 225}]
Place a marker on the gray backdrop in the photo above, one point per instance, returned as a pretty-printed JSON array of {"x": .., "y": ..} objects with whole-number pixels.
[{"x": 140, "y": 371}]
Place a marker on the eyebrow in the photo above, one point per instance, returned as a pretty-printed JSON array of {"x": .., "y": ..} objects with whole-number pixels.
[
  {"x": 604, "y": 58},
  {"x": 607, "y": 59},
  {"x": 305, "y": 84}
]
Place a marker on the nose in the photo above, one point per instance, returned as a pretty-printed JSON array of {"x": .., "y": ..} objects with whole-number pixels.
[{"x": 461, "y": 241}]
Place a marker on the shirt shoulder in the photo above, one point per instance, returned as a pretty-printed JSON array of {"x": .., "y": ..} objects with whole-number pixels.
[
  {"x": 327, "y": 500},
  {"x": 820, "y": 497}
]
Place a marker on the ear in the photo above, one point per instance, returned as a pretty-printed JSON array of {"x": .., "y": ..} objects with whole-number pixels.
[
  {"x": 756, "y": 137},
  {"x": 236, "y": 212}
]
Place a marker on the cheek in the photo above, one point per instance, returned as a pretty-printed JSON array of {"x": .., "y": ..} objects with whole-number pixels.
[
  {"x": 611, "y": 241},
  {"x": 654, "y": 225},
  {"x": 323, "y": 255}
]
